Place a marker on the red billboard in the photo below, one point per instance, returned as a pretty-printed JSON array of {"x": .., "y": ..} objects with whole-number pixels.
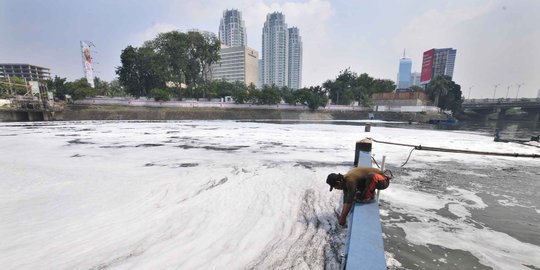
[{"x": 427, "y": 66}]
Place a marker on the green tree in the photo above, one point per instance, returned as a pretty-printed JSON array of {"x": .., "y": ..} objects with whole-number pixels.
[
  {"x": 101, "y": 87},
  {"x": 453, "y": 99},
  {"x": 437, "y": 87},
  {"x": 254, "y": 96},
  {"x": 115, "y": 89},
  {"x": 160, "y": 94},
  {"x": 172, "y": 57},
  {"x": 173, "y": 49},
  {"x": 204, "y": 50},
  {"x": 445, "y": 94},
  {"x": 269, "y": 95},
  {"x": 240, "y": 93},
  {"x": 142, "y": 69},
  {"x": 80, "y": 89},
  {"x": 382, "y": 86},
  {"x": 314, "y": 97},
  {"x": 220, "y": 88},
  {"x": 19, "y": 85},
  {"x": 4, "y": 88},
  {"x": 130, "y": 72},
  {"x": 342, "y": 90},
  {"x": 288, "y": 95},
  {"x": 58, "y": 86},
  {"x": 416, "y": 88}
]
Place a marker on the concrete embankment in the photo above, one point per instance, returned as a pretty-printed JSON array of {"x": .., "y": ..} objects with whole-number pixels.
[
  {"x": 113, "y": 112},
  {"x": 93, "y": 112}
]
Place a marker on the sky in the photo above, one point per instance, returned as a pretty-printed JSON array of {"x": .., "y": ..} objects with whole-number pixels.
[
  {"x": 251, "y": 195},
  {"x": 497, "y": 41}
]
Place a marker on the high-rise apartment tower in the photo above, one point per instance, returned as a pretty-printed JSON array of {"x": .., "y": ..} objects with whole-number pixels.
[
  {"x": 275, "y": 53},
  {"x": 281, "y": 53},
  {"x": 437, "y": 62},
  {"x": 295, "y": 58},
  {"x": 232, "y": 30}
]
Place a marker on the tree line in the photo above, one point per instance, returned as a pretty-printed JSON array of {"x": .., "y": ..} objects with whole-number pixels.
[{"x": 179, "y": 65}]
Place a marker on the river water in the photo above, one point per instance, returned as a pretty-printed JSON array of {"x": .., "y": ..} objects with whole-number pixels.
[{"x": 251, "y": 195}]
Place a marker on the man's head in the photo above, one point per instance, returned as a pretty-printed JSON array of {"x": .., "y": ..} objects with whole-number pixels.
[{"x": 335, "y": 181}]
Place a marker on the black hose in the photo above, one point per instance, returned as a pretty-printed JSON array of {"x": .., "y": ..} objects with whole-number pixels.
[{"x": 427, "y": 148}]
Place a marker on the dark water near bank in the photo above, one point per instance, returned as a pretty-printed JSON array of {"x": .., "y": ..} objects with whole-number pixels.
[{"x": 508, "y": 129}]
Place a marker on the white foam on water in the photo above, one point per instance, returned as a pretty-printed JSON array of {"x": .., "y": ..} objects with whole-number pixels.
[
  {"x": 213, "y": 193},
  {"x": 391, "y": 262},
  {"x": 492, "y": 248}
]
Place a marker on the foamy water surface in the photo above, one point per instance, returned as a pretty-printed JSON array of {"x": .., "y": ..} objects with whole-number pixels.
[{"x": 243, "y": 195}]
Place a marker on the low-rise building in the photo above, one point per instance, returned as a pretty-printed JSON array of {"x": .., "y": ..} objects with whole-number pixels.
[
  {"x": 417, "y": 98},
  {"x": 36, "y": 76},
  {"x": 237, "y": 64}
]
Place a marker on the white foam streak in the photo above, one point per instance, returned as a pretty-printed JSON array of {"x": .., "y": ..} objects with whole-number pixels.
[{"x": 210, "y": 194}]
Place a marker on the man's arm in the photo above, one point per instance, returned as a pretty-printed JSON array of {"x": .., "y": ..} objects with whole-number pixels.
[{"x": 344, "y": 212}]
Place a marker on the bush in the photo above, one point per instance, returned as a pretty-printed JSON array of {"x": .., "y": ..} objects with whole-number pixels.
[{"x": 160, "y": 94}]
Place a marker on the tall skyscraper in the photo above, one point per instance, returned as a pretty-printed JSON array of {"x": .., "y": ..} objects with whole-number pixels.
[
  {"x": 437, "y": 62},
  {"x": 404, "y": 74},
  {"x": 275, "y": 53},
  {"x": 232, "y": 31},
  {"x": 295, "y": 58}
]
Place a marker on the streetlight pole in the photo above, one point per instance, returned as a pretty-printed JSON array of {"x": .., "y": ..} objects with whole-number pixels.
[
  {"x": 508, "y": 90},
  {"x": 519, "y": 86},
  {"x": 469, "y": 96},
  {"x": 494, "y": 91}
]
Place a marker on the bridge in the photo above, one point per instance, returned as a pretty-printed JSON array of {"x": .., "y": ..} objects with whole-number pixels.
[{"x": 500, "y": 105}]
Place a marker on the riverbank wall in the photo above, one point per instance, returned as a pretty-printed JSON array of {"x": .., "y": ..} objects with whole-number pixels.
[{"x": 99, "y": 112}]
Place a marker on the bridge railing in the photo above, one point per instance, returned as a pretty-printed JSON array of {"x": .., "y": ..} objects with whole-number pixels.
[
  {"x": 500, "y": 100},
  {"x": 364, "y": 249}
]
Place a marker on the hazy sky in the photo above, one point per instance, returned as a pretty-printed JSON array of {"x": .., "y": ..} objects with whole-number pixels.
[{"x": 497, "y": 42}]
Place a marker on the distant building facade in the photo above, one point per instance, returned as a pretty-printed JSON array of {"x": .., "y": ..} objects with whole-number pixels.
[
  {"x": 415, "y": 78},
  {"x": 295, "y": 58},
  {"x": 436, "y": 62},
  {"x": 232, "y": 30},
  {"x": 404, "y": 74},
  {"x": 417, "y": 98},
  {"x": 35, "y": 76},
  {"x": 281, "y": 53},
  {"x": 275, "y": 53},
  {"x": 25, "y": 71},
  {"x": 237, "y": 64}
]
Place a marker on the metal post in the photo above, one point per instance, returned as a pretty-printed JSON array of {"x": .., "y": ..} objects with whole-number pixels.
[
  {"x": 382, "y": 170},
  {"x": 494, "y": 91},
  {"x": 469, "y": 96},
  {"x": 362, "y": 145},
  {"x": 10, "y": 86},
  {"x": 508, "y": 90},
  {"x": 519, "y": 86}
]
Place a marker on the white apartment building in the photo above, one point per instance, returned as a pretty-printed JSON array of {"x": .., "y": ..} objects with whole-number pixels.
[
  {"x": 295, "y": 59},
  {"x": 232, "y": 30},
  {"x": 275, "y": 53}
]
